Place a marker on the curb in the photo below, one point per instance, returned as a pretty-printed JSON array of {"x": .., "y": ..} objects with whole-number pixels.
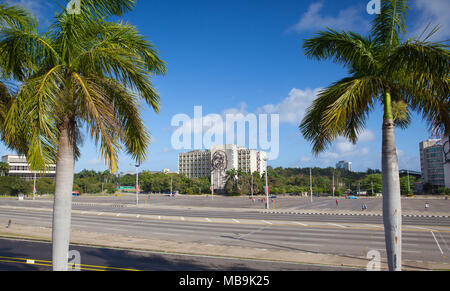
[{"x": 349, "y": 214}]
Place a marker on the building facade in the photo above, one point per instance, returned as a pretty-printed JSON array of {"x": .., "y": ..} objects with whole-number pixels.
[
  {"x": 195, "y": 164},
  {"x": 432, "y": 162},
  {"x": 344, "y": 165},
  {"x": 217, "y": 161},
  {"x": 19, "y": 167}
]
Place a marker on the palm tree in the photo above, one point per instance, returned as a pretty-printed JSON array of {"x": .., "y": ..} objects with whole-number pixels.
[
  {"x": 10, "y": 16},
  {"x": 400, "y": 74},
  {"x": 83, "y": 72},
  {"x": 4, "y": 169}
]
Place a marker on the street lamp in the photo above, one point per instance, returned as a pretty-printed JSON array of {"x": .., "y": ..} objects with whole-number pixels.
[
  {"x": 267, "y": 187},
  {"x": 137, "y": 184},
  {"x": 34, "y": 186}
]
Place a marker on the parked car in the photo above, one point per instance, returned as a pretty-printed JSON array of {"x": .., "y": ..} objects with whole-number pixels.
[
  {"x": 351, "y": 197},
  {"x": 76, "y": 193}
]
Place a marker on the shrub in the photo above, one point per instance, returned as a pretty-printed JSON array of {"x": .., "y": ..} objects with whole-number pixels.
[{"x": 14, "y": 186}]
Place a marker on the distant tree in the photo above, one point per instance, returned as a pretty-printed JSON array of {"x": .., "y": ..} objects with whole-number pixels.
[
  {"x": 14, "y": 186},
  {"x": 4, "y": 169}
]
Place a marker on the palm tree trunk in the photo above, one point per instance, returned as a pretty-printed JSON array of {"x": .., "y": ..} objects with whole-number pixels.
[
  {"x": 392, "y": 211},
  {"x": 62, "y": 207}
]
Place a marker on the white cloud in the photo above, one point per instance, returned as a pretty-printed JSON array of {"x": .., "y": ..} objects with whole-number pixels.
[
  {"x": 38, "y": 8},
  {"x": 343, "y": 149},
  {"x": 293, "y": 108},
  {"x": 436, "y": 13},
  {"x": 351, "y": 18}
]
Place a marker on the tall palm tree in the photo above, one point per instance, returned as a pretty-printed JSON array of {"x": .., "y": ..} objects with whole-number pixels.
[
  {"x": 384, "y": 67},
  {"x": 10, "y": 16},
  {"x": 83, "y": 72}
]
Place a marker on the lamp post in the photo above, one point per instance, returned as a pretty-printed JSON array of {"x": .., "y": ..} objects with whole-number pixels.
[
  {"x": 137, "y": 184},
  {"x": 267, "y": 187},
  {"x": 334, "y": 188},
  {"x": 310, "y": 184},
  {"x": 34, "y": 187}
]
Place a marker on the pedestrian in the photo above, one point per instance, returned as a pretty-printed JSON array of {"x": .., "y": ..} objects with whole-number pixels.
[
  {"x": 365, "y": 207},
  {"x": 337, "y": 203},
  {"x": 427, "y": 206}
]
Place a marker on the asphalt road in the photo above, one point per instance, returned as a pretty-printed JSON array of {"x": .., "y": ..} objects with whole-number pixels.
[
  {"x": 360, "y": 216},
  {"x": 339, "y": 238},
  {"x": 424, "y": 238},
  {"x": 22, "y": 255}
]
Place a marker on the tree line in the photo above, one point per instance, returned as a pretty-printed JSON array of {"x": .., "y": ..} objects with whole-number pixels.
[{"x": 281, "y": 181}]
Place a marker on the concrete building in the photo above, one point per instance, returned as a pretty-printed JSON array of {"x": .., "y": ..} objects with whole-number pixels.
[
  {"x": 344, "y": 165},
  {"x": 215, "y": 163},
  {"x": 432, "y": 162},
  {"x": 195, "y": 164},
  {"x": 18, "y": 167}
]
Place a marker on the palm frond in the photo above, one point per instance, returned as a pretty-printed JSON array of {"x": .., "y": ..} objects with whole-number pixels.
[
  {"x": 340, "y": 110},
  {"x": 390, "y": 25},
  {"x": 15, "y": 16},
  {"x": 349, "y": 49}
]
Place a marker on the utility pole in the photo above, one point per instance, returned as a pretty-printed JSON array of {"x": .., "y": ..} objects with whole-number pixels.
[
  {"x": 137, "y": 184},
  {"x": 171, "y": 180},
  {"x": 267, "y": 187},
  {"x": 34, "y": 187},
  {"x": 333, "y": 185},
  {"x": 251, "y": 190},
  {"x": 212, "y": 185},
  {"x": 310, "y": 184},
  {"x": 409, "y": 186}
]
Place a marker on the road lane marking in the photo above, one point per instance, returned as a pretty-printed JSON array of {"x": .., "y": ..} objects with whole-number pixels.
[
  {"x": 100, "y": 213},
  {"x": 437, "y": 243},
  {"x": 235, "y": 220},
  {"x": 253, "y": 232},
  {"x": 266, "y": 222},
  {"x": 371, "y": 225},
  {"x": 207, "y": 219},
  {"x": 338, "y": 225},
  {"x": 299, "y": 223},
  {"x": 49, "y": 264}
]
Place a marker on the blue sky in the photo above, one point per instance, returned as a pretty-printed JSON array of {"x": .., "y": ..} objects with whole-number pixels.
[{"x": 246, "y": 56}]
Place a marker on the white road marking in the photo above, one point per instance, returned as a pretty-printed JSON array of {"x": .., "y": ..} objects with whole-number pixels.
[
  {"x": 338, "y": 225},
  {"x": 437, "y": 243},
  {"x": 30, "y": 262},
  {"x": 299, "y": 223},
  {"x": 118, "y": 215},
  {"x": 371, "y": 225},
  {"x": 182, "y": 218},
  {"x": 235, "y": 220},
  {"x": 207, "y": 219},
  {"x": 137, "y": 216},
  {"x": 423, "y": 228},
  {"x": 266, "y": 222},
  {"x": 100, "y": 213}
]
